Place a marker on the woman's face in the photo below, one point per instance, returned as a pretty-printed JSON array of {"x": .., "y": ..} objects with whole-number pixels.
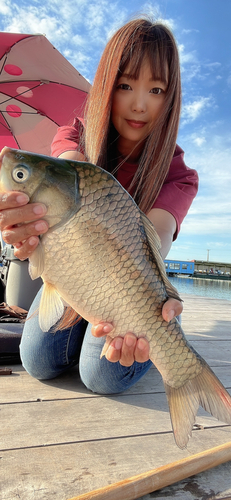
[{"x": 136, "y": 105}]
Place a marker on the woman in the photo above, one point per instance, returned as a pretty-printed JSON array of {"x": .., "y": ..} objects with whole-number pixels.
[{"x": 131, "y": 127}]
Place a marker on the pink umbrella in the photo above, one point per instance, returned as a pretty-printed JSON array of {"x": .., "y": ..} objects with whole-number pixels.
[{"x": 39, "y": 90}]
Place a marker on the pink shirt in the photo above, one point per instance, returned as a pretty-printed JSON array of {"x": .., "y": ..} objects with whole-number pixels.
[{"x": 178, "y": 191}]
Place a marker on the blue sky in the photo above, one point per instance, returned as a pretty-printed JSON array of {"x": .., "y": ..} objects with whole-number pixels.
[{"x": 79, "y": 29}]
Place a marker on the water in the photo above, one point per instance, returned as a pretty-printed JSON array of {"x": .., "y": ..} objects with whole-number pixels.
[{"x": 217, "y": 289}]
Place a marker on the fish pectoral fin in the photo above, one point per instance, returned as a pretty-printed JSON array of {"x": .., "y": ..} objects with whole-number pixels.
[
  {"x": 204, "y": 390},
  {"x": 36, "y": 262},
  {"x": 155, "y": 245},
  {"x": 51, "y": 307}
]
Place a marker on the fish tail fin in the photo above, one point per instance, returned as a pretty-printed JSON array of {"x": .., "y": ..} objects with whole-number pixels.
[{"x": 204, "y": 390}]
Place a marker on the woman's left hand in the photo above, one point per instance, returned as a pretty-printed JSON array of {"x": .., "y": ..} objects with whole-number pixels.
[
  {"x": 125, "y": 350},
  {"x": 130, "y": 348}
]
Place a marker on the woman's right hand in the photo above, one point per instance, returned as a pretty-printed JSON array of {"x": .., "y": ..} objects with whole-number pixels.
[{"x": 21, "y": 223}]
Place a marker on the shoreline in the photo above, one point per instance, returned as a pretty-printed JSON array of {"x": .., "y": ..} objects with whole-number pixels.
[{"x": 201, "y": 276}]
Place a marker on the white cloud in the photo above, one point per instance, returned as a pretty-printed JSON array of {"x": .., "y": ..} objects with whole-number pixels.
[
  {"x": 210, "y": 212},
  {"x": 5, "y": 8},
  {"x": 213, "y": 65},
  {"x": 186, "y": 57},
  {"x": 77, "y": 28},
  {"x": 199, "y": 141},
  {"x": 187, "y": 31},
  {"x": 193, "y": 110},
  {"x": 206, "y": 224}
]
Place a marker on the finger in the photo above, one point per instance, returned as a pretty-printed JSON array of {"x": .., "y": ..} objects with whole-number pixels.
[
  {"x": 13, "y": 216},
  {"x": 171, "y": 308},
  {"x": 23, "y": 250},
  {"x": 101, "y": 329},
  {"x": 13, "y": 199},
  {"x": 16, "y": 234},
  {"x": 142, "y": 350},
  {"x": 113, "y": 353},
  {"x": 128, "y": 348}
]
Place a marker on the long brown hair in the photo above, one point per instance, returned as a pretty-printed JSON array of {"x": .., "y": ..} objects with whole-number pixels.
[{"x": 133, "y": 42}]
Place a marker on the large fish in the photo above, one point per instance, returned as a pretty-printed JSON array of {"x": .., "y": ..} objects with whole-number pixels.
[{"x": 101, "y": 256}]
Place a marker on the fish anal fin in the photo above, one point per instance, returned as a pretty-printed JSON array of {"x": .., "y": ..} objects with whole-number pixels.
[
  {"x": 155, "y": 245},
  {"x": 36, "y": 262},
  {"x": 51, "y": 307},
  {"x": 204, "y": 390}
]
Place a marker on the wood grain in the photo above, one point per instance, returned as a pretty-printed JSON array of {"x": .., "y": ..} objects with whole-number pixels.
[{"x": 142, "y": 484}]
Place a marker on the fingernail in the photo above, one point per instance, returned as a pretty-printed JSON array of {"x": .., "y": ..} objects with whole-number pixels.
[
  {"x": 107, "y": 328},
  {"x": 18, "y": 245},
  {"x": 118, "y": 344},
  {"x": 22, "y": 198},
  {"x": 39, "y": 209},
  {"x": 32, "y": 241},
  {"x": 141, "y": 344},
  {"x": 40, "y": 226},
  {"x": 130, "y": 341},
  {"x": 171, "y": 314}
]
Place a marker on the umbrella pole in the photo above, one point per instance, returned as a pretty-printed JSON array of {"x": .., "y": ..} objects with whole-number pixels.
[{"x": 147, "y": 482}]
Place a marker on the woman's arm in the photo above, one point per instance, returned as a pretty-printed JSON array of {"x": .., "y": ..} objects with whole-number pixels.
[
  {"x": 165, "y": 226},
  {"x": 73, "y": 155}
]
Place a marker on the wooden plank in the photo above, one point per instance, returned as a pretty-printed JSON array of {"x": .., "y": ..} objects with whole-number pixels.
[
  {"x": 218, "y": 335},
  {"x": 71, "y": 441},
  {"x": 160, "y": 477},
  {"x": 214, "y": 352},
  {"x": 20, "y": 387},
  {"x": 78, "y": 420},
  {"x": 63, "y": 472}
]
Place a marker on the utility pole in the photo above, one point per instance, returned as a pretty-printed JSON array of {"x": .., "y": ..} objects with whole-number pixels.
[{"x": 208, "y": 255}]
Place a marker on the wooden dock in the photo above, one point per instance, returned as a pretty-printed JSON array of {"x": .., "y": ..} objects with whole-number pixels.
[{"x": 58, "y": 440}]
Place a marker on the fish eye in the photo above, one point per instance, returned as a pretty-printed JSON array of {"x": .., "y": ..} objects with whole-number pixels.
[{"x": 20, "y": 173}]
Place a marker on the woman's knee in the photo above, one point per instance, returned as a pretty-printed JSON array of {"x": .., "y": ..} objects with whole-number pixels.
[{"x": 46, "y": 355}]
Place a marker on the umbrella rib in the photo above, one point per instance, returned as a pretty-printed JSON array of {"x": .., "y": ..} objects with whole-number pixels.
[
  {"x": 10, "y": 130},
  {"x": 25, "y": 112},
  {"x": 10, "y": 48},
  {"x": 3, "y": 64},
  {"x": 30, "y": 113},
  {"x": 18, "y": 95},
  {"x": 47, "y": 82}
]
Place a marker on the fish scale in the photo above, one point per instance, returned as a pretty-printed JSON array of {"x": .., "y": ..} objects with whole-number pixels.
[{"x": 101, "y": 256}]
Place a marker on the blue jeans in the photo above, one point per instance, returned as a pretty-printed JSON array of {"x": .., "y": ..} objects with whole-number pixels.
[{"x": 46, "y": 355}]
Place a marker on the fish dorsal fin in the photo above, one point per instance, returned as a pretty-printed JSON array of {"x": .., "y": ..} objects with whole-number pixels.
[
  {"x": 51, "y": 307},
  {"x": 36, "y": 262},
  {"x": 155, "y": 245}
]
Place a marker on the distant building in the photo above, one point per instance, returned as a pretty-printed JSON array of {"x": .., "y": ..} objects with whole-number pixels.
[
  {"x": 197, "y": 267},
  {"x": 179, "y": 267},
  {"x": 205, "y": 267}
]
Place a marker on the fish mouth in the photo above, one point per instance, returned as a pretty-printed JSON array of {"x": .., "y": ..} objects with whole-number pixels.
[{"x": 136, "y": 123}]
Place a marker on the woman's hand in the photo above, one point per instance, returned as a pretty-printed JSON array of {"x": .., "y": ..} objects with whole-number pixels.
[
  {"x": 20, "y": 222},
  {"x": 125, "y": 350},
  {"x": 129, "y": 349}
]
